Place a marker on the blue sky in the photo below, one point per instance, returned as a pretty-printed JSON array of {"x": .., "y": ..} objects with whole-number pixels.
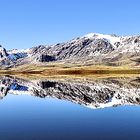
[{"x": 27, "y": 23}]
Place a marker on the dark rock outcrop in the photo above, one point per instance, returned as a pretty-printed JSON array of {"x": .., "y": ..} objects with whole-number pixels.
[{"x": 3, "y": 52}]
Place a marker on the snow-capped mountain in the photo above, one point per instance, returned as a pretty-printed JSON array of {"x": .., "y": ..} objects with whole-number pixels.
[
  {"x": 92, "y": 48},
  {"x": 95, "y": 93}
]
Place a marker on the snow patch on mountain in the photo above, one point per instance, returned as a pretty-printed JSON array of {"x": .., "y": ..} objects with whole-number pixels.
[{"x": 111, "y": 38}]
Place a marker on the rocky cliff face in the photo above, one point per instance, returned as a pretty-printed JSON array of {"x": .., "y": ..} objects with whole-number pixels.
[
  {"x": 89, "y": 49},
  {"x": 98, "y": 93},
  {"x": 3, "y": 53}
]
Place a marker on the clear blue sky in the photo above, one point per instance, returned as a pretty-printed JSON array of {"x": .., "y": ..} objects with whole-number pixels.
[{"x": 27, "y": 23}]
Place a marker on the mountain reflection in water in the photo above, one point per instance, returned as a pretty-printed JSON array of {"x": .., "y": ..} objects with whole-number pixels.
[{"x": 95, "y": 93}]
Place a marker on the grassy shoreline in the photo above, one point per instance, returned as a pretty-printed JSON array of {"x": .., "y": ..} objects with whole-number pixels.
[{"x": 65, "y": 70}]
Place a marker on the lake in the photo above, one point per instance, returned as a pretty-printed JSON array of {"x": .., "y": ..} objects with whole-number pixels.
[{"x": 70, "y": 109}]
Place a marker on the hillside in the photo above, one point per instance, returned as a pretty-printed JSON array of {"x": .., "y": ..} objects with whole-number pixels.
[{"x": 89, "y": 50}]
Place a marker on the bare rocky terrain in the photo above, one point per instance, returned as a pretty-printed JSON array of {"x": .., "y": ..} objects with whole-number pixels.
[{"x": 91, "y": 49}]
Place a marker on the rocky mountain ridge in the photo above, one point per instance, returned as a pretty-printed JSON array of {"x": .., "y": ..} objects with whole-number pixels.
[{"x": 89, "y": 49}]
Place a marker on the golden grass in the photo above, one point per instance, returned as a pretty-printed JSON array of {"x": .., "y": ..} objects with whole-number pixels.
[{"x": 63, "y": 70}]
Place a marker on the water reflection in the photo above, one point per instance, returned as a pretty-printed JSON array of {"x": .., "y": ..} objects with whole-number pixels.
[{"x": 95, "y": 93}]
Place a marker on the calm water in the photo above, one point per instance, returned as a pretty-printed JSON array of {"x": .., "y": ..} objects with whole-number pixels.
[{"x": 70, "y": 109}]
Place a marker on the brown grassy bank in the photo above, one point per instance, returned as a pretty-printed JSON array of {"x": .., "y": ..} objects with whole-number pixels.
[{"x": 65, "y": 70}]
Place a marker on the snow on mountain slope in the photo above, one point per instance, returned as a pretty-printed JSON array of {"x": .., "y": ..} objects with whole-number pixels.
[
  {"x": 91, "y": 48},
  {"x": 111, "y": 38},
  {"x": 15, "y": 56}
]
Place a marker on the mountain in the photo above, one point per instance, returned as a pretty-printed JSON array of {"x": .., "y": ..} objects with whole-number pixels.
[
  {"x": 91, "y": 49},
  {"x": 92, "y": 93}
]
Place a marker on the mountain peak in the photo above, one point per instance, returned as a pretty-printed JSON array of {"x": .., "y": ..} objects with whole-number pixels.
[
  {"x": 100, "y": 35},
  {"x": 110, "y": 38},
  {"x": 93, "y": 48}
]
